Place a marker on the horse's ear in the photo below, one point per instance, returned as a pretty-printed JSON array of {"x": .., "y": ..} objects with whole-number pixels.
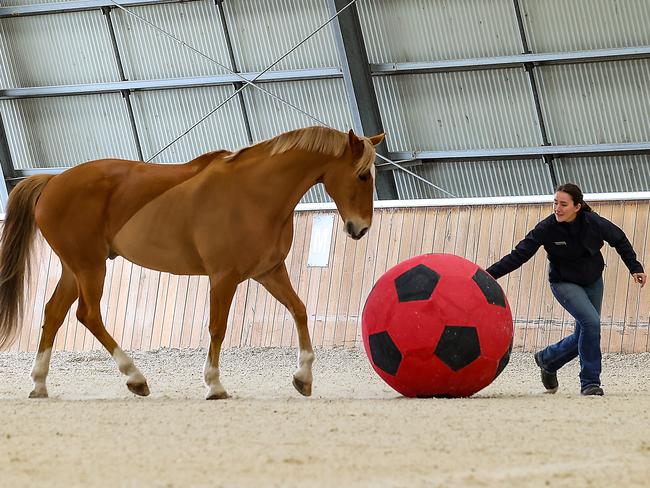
[
  {"x": 356, "y": 144},
  {"x": 377, "y": 139}
]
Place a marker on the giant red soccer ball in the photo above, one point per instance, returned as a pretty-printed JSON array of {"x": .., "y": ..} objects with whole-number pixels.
[{"x": 437, "y": 325}]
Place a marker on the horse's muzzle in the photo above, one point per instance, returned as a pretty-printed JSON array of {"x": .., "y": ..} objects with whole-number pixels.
[{"x": 354, "y": 231}]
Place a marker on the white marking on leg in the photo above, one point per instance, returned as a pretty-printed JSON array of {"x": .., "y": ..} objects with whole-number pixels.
[
  {"x": 126, "y": 367},
  {"x": 212, "y": 381},
  {"x": 305, "y": 361},
  {"x": 39, "y": 372}
]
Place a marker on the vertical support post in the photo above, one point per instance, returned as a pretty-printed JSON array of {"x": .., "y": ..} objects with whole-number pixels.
[
  {"x": 535, "y": 92},
  {"x": 233, "y": 66},
  {"x": 6, "y": 165},
  {"x": 126, "y": 94},
  {"x": 360, "y": 90}
]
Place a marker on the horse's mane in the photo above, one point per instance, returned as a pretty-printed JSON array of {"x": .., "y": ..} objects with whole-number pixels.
[{"x": 324, "y": 140}]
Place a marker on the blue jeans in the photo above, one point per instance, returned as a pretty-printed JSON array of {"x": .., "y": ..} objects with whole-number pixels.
[{"x": 583, "y": 303}]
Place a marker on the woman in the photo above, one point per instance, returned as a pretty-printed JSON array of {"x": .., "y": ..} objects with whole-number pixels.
[{"x": 572, "y": 237}]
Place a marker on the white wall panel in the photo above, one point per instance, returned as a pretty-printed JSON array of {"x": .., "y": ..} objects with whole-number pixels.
[
  {"x": 149, "y": 54},
  {"x": 575, "y": 25},
  {"x": 461, "y": 110},
  {"x": 66, "y": 131},
  {"x": 163, "y": 115},
  {"x": 597, "y": 103},
  {"x": 325, "y": 99},
  {"x": 429, "y": 30},
  {"x": 60, "y": 49},
  {"x": 264, "y": 30}
]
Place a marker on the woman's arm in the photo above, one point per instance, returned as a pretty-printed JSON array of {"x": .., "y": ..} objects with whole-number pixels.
[
  {"x": 616, "y": 238},
  {"x": 522, "y": 252}
]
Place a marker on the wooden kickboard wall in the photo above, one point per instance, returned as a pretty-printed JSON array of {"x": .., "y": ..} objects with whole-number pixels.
[{"x": 146, "y": 309}]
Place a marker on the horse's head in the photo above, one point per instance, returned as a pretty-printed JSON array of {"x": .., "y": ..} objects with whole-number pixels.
[{"x": 350, "y": 181}]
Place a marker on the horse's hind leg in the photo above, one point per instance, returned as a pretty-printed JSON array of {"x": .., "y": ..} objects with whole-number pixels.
[
  {"x": 91, "y": 284},
  {"x": 278, "y": 284},
  {"x": 55, "y": 311}
]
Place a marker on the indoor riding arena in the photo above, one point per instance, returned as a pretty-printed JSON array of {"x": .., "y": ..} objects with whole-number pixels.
[{"x": 256, "y": 167}]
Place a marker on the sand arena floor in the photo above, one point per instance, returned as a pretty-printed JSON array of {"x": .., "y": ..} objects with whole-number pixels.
[{"x": 355, "y": 431}]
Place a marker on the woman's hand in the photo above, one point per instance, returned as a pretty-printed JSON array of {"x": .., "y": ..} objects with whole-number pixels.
[{"x": 640, "y": 278}]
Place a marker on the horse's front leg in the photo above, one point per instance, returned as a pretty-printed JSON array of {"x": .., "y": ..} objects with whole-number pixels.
[
  {"x": 278, "y": 284},
  {"x": 222, "y": 292}
]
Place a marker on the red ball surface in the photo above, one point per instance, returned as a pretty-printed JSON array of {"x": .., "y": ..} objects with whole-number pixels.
[{"x": 437, "y": 325}]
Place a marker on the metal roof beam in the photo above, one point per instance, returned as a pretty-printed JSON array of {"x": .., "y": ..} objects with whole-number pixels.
[
  {"x": 74, "y": 6},
  {"x": 359, "y": 87},
  {"x": 535, "y": 152},
  {"x": 120, "y": 86},
  {"x": 515, "y": 61}
]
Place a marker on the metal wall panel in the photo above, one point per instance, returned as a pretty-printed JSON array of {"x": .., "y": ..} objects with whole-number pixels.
[
  {"x": 606, "y": 174},
  {"x": 64, "y": 49},
  {"x": 466, "y": 179},
  {"x": 597, "y": 103},
  {"x": 163, "y": 115},
  {"x": 62, "y": 132},
  {"x": 561, "y": 25},
  {"x": 461, "y": 110},
  {"x": 429, "y": 30},
  {"x": 316, "y": 194},
  {"x": 264, "y": 30},
  {"x": 323, "y": 98},
  {"x": 149, "y": 54}
]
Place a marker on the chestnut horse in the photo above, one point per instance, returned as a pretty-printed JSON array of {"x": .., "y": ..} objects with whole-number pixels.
[{"x": 227, "y": 215}]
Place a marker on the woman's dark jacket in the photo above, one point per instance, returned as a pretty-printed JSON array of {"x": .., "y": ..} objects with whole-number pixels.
[{"x": 573, "y": 249}]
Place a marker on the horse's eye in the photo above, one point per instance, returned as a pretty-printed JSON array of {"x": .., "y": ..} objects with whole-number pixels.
[{"x": 364, "y": 176}]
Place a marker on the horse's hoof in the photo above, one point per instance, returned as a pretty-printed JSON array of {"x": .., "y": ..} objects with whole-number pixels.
[
  {"x": 219, "y": 395},
  {"x": 140, "y": 389},
  {"x": 302, "y": 387},
  {"x": 38, "y": 394}
]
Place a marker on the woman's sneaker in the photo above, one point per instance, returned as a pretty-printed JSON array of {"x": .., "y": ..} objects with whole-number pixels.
[
  {"x": 591, "y": 390},
  {"x": 549, "y": 380}
]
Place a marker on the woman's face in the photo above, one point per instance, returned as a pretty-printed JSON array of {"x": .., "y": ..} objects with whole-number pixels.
[{"x": 564, "y": 208}]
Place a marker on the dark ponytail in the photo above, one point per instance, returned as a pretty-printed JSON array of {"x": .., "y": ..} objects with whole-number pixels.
[{"x": 576, "y": 195}]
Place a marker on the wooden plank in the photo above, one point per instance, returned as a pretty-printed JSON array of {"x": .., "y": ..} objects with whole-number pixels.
[
  {"x": 159, "y": 314},
  {"x": 634, "y": 224},
  {"x": 473, "y": 223},
  {"x": 368, "y": 268},
  {"x": 148, "y": 324},
  {"x": 40, "y": 299},
  {"x": 339, "y": 243},
  {"x": 179, "y": 298},
  {"x": 408, "y": 223},
  {"x": 355, "y": 306},
  {"x": 462, "y": 231},
  {"x": 201, "y": 312},
  {"x": 120, "y": 314},
  {"x": 428, "y": 230},
  {"x": 343, "y": 300},
  {"x": 188, "y": 314},
  {"x": 258, "y": 320},
  {"x": 642, "y": 316},
  {"x": 128, "y": 325},
  {"x": 532, "y": 277},
  {"x": 322, "y": 324}
]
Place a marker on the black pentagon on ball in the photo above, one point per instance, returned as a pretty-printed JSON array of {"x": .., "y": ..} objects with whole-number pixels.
[
  {"x": 417, "y": 283},
  {"x": 490, "y": 288},
  {"x": 458, "y": 346},
  {"x": 504, "y": 360},
  {"x": 384, "y": 352}
]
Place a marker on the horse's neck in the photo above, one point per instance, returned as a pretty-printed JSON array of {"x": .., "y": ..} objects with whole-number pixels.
[{"x": 281, "y": 180}]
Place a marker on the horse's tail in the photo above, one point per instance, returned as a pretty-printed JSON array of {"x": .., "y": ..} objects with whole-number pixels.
[{"x": 15, "y": 252}]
